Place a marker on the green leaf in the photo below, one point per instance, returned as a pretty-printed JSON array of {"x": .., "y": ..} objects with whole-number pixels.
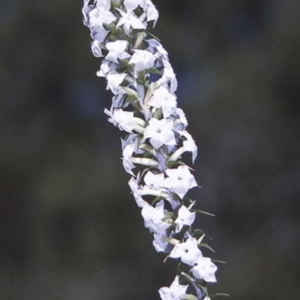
[
  {"x": 157, "y": 199},
  {"x": 190, "y": 297},
  {"x": 130, "y": 92},
  {"x": 198, "y": 232},
  {"x": 213, "y": 296},
  {"x": 173, "y": 163},
  {"x": 134, "y": 102},
  {"x": 148, "y": 32},
  {"x": 147, "y": 148},
  {"x": 219, "y": 261},
  {"x": 203, "y": 287},
  {"x": 203, "y": 212},
  {"x": 188, "y": 277},
  {"x": 180, "y": 268},
  {"x": 204, "y": 245},
  {"x": 153, "y": 71}
]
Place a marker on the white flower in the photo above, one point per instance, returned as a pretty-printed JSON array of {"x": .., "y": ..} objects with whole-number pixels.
[
  {"x": 133, "y": 4},
  {"x": 103, "y": 4},
  {"x": 185, "y": 217},
  {"x": 164, "y": 99},
  {"x": 175, "y": 292},
  {"x": 114, "y": 81},
  {"x": 181, "y": 122},
  {"x": 137, "y": 192},
  {"x": 156, "y": 47},
  {"x": 123, "y": 119},
  {"x": 99, "y": 17},
  {"x": 160, "y": 133},
  {"x": 188, "y": 251},
  {"x": 204, "y": 269},
  {"x": 189, "y": 144},
  {"x": 116, "y": 51},
  {"x": 180, "y": 180},
  {"x": 153, "y": 217},
  {"x": 127, "y": 152},
  {"x": 154, "y": 180},
  {"x": 129, "y": 20},
  {"x": 142, "y": 59},
  {"x": 169, "y": 76},
  {"x": 160, "y": 244},
  {"x": 152, "y": 13},
  {"x": 99, "y": 34},
  {"x": 96, "y": 48},
  {"x": 85, "y": 11}
]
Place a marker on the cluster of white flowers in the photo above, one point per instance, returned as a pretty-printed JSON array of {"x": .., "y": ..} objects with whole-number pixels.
[{"x": 144, "y": 105}]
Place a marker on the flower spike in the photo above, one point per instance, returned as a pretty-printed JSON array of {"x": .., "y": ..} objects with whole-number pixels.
[{"x": 144, "y": 107}]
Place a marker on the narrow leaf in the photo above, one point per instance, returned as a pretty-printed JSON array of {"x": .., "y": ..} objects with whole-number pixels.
[{"x": 204, "y": 245}]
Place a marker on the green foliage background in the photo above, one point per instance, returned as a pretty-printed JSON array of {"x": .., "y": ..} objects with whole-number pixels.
[{"x": 69, "y": 228}]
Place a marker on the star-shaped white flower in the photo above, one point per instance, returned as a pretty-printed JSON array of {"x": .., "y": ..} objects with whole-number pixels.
[
  {"x": 175, "y": 292},
  {"x": 160, "y": 133},
  {"x": 142, "y": 59},
  {"x": 100, "y": 17},
  {"x": 163, "y": 98},
  {"x": 130, "y": 20},
  {"x": 188, "y": 251},
  {"x": 153, "y": 217},
  {"x": 180, "y": 180},
  {"x": 185, "y": 217},
  {"x": 204, "y": 269}
]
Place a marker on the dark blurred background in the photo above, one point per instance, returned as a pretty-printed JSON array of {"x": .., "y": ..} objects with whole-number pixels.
[{"x": 69, "y": 228}]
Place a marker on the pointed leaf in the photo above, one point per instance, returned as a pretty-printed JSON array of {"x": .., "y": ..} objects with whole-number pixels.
[
  {"x": 204, "y": 245},
  {"x": 219, "y": 261},
  {"x": 198, "y": 232},
  {"x": 203, "y": 212},
  {"x": 189, "y": 297}
]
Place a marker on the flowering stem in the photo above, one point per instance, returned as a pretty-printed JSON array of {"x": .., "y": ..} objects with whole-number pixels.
[{"x": 144, "y": 105}]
